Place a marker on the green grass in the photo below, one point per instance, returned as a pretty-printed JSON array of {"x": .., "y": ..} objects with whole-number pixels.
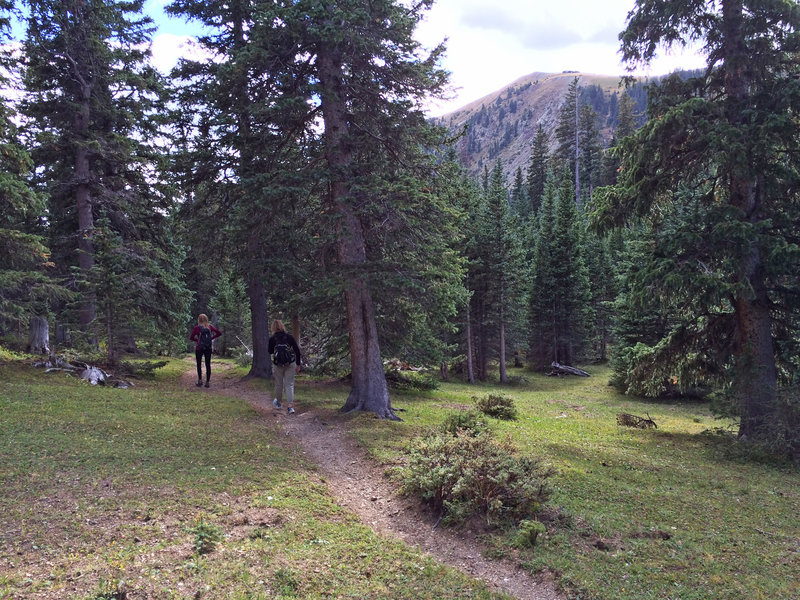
[
  {"x": 636, "y": 514},
  {"x": 106, "y": 492}
]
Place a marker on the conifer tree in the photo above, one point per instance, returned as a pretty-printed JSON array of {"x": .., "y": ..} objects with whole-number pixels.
[
  {"x": 90, "y": 109},
  {"x": 372, "y": 80},
  {"x": 626, "y": 126},
  {"x": 590, "y": 149},
  {"x": 25, "y": 287},
  {"x": 559, "y": 306},
  {"x": 568, "y": 135},
  {"x": 243, "y": 140},
  {"x": 537, "y": 170},
  {"x": 519, "y": 197},
  {"x": 719, "y": 150},
  {"x": 501, "y": 258},
  {"x": 542, "y": 309}
]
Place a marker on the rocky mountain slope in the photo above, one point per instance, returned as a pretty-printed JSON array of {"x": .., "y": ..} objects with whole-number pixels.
[{"x": 502, "y": 125}]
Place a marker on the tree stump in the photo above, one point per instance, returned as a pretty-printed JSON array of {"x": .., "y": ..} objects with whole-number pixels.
[{"x": 39, "y": 340}]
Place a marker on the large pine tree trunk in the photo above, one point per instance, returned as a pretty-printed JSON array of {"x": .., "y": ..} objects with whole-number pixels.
[
  {"x": 757, "y": 376},
  {"x": 369, "y": 390},
  {"x": 503, "y": 374},
  {"x": 259, "y": 319},
  {"x": 470, "y": 367},
  {"x": 83, "y": 207}
]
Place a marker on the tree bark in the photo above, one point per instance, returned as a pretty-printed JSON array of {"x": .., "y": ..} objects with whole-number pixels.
[
  {"x": 39, "y": 340},
  {"x": 369, "y": 390},
  {"x": 470, "y": 368},
  {"x": 503, "y": 374},
  {"x": 259, "y": 319},
  {"x": 757, "y": 376},
  {"x": 83, "y": 206}
]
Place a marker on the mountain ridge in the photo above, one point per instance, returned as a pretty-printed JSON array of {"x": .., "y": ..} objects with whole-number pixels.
[{"x": 502, "y": 124}]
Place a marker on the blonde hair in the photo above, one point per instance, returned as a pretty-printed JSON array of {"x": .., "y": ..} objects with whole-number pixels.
[
  {"x": 277, "y": 325},
  {"x": 202, "y": 320}
]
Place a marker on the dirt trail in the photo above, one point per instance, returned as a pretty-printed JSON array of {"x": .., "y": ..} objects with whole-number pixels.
[{"x": 359, "y": 484}]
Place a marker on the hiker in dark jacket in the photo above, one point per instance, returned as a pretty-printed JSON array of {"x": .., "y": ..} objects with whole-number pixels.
[
  {"x": 286, "y": 357},
  {"x": 203, "y": 334}
]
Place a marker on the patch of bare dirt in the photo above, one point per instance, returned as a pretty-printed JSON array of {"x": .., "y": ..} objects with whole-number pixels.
[{"x": 359, "y": 484}]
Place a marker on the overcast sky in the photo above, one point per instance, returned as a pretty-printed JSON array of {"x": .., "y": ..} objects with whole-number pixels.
[{"x": 490, "y": 43}]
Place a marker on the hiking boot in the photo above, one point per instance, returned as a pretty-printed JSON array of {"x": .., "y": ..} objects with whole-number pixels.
[
  {"x": 275, "y": 403},
  {"x": 290, "y": 410},
  {"x": 207, "y": 384},
  {"x": 199, "y": 383}
]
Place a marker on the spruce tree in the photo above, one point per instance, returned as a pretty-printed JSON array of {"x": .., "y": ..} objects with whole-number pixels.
[
  {"x": 373, "y": 79},
  {"x": 536, "y": 175},
  {"x": 559, "y": 292},
  {"x": 568, "y": 135},
  {"x": 26, "y": 289},
  {"x": 720, "y": 148},
  {"x": 590, "y": 150},
  {"x": 502, "y": 258},
  {"x": 91, "y": 112},
  {"x": 242, "y": 159}
]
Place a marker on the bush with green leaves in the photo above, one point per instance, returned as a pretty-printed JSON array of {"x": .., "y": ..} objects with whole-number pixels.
[
  {"x": 471, "y": 422},
  {"x": 110, "y": 589},
  {"x": 497, "y": 406},
  {"x": 206, "y": 536},
  {"x": 529, "y": 532},
  {"x": 410, "y": 380},
  {"x": 463, "y": 476}
]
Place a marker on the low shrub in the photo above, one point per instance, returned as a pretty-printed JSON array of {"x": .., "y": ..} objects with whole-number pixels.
[
  {"x": 206, "y": 536},
  {"x": 529, "y": 532},
  {"x": 410, "y": 380},
  {"x": 471, "y": 422},
  {"x": 497, "y": 406},
  {"x": 145, "y": 369},
  {"x": 463, "y": 476}
]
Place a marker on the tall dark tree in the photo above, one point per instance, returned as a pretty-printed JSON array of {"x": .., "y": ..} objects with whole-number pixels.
[
  {"x": 245, "y": 118},
  {"x": 589, "y": 150},
  {"x": 626, "y": 126},
  {"x": 568, "y": 135},
  {"x": 501, "y": 257},
  {"x": 724, "y": 145},
  {"x": 536, "y": 175},
  {"x": 559, "y": 306},
  {"x": 372, "y": 79},
  {"x": 25, "y": 287},
  {"x": 519, "y": 197},
  {"x": 90, "y": 110}
]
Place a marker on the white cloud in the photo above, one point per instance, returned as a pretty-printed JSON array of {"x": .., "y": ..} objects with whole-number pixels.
[
  {"x": 167, "y": 49},
  {"x": 492, "y": 43}
]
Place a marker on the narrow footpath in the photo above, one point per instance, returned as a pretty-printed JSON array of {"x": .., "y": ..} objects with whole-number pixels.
[{"x": 359, "y": 484}]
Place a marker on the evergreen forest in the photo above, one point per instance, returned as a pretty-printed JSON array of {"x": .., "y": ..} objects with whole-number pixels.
[{"x": 290, "y": 171}]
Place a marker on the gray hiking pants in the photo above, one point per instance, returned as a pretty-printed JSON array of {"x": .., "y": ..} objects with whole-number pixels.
[{"x": 284, "y": 378}]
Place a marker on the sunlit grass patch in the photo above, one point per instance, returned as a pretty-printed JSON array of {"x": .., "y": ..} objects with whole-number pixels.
[
  {"x": 166, "y": 492},
  {"x": 655, "y": 513}
]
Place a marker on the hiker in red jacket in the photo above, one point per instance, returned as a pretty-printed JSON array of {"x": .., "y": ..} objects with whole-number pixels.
[{"x": 203, "y": 334}]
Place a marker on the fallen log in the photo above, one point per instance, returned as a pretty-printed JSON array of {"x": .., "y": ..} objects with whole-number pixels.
[
  {"x": 629, "y": 420},
  {"x": 559, "y": 369}
]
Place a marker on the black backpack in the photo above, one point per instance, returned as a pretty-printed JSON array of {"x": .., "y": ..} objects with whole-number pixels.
[
  {"x": 284, "y": 352},
  {"x": 204, "y": 341}
]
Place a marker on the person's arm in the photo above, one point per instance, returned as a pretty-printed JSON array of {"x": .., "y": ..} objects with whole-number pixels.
[
  {"x": 215, "y": 333},
  {"x": 271, "y": 345},
  {"x": 195, "y": 333}
]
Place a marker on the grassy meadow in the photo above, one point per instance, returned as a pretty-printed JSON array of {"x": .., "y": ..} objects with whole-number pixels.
[
  {"x": 666, "y": 513},
  {"x": 110, "y": 493}
]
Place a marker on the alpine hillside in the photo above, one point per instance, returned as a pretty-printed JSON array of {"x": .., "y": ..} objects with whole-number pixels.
[{"x": 502, "y": 124}]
